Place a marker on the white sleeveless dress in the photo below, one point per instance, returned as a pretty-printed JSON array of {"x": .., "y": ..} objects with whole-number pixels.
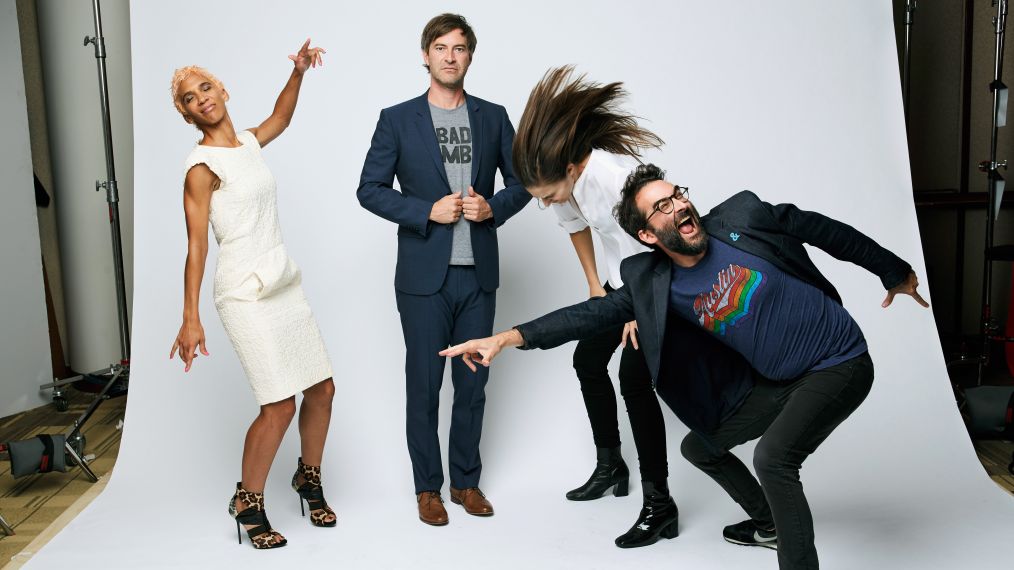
[{"x": 257, "y": 286}]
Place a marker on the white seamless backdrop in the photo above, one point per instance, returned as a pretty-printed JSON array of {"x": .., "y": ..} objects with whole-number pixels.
[{"x": 797, "y": 101}]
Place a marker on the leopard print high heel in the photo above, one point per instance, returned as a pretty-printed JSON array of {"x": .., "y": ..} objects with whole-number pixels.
[
  {"x": 262, "y": 536},
  {"x": 311, "y": 492}
]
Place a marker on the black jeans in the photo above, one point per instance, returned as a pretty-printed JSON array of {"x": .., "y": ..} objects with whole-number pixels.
[
  {"x": 590, "y": 359},
  {"x": 792, "y": 419}
]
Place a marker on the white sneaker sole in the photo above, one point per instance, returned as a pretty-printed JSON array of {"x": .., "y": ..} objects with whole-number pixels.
[{"x": 773, "y": 545}]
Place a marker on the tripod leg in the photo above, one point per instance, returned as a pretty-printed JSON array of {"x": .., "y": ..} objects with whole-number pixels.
[
  {"x": 81, "y": 463},
  {"x": 99, "y": 398},
  {"x": 6, "y": 527}
]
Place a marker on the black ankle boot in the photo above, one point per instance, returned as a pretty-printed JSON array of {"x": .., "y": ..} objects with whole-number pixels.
[
  {"x": 610, "y": 471},
  {"x": 659, "y": 518}
]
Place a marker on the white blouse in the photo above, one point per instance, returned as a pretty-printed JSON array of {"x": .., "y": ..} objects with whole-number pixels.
[{"x": 595, "y": 194}]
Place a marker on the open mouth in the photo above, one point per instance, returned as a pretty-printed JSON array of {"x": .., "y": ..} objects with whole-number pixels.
[{"x": 686, "y": 224}]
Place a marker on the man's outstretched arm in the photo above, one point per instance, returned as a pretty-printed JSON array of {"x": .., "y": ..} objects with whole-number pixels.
[
  {"x": 548, "y": 331},
  {"x": 846, "y": 243}
]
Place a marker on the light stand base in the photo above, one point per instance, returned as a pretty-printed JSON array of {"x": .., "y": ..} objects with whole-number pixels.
[
  {"x": 80, "y": 462},
  {"x": 75, "y": 443}
]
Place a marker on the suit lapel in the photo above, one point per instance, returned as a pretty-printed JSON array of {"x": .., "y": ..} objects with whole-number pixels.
[
  {"x": 660, "y": 283},
  {"x": 475, "y": 123},
  {"x": 424, "y": 123}
]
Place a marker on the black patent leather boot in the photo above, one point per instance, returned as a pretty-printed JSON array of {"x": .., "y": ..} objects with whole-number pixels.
[
  {"x": 659, "y": 518},
  {"x": 610, "y": 472}
]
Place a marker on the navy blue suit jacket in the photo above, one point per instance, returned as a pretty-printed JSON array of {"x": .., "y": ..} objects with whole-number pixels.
[{"x": 405, "y": 145}]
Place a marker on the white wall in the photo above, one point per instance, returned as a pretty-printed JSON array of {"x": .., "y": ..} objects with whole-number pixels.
[
  {"x": 24, "y": 330},
  {"x": 78, "y": 155},
  {"x": 798, "y": 101}
]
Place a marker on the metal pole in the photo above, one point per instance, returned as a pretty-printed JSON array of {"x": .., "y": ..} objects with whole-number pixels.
[
  {"x": 1000, "y": 24},
  {"x": 112, "y": 195},
  {"x": 80, "y": 461},
  {"x": 79, "y": 423},
  {"x": 965, "y": 170},
  {"x": 910, "y": 6}
]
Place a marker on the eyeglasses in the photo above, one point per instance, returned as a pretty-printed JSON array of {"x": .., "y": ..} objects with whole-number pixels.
[
  {"x": 541, "y": 204},
  {"x": 668, "y": 204}
]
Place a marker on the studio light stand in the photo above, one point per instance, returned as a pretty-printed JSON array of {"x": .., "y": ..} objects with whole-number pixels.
[
  {"x": 118, "y": 372},
  {"x": 910, "y": 6},
  {"x": 986, "y": 410},
  {"x": 75, "y": 444},
  {"x": 995, "y": 189}
]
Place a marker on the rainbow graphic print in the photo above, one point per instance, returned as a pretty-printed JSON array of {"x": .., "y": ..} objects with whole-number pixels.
[{"x": 729, "y": 298}]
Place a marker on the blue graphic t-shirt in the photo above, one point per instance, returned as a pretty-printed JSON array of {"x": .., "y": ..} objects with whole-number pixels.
[{"x": 783, "y": 326}]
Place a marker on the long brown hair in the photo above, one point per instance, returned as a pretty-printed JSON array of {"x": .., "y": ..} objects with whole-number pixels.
[{"x": 566, "y": 118}]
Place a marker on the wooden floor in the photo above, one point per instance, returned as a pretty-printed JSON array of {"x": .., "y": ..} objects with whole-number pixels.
[
  {"x": 37, "y": 506},
  {"x": 31, "y": 504},
  {"x": 996, "y": 456}
]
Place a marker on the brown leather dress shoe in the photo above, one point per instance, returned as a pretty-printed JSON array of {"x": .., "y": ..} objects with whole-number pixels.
[
  {"x": 431, "y": 508},
  {"x": 473, "y": 500}
]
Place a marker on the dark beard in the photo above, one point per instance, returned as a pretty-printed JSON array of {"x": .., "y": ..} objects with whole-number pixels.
[{"x": 671, "y": 238}]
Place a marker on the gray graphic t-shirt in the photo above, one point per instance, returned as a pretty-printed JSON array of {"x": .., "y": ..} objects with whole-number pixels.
[{"x": 454, "y": 137}]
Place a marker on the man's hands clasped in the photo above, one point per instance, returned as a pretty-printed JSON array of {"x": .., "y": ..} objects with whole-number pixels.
[{"x": 450, "y": 208}]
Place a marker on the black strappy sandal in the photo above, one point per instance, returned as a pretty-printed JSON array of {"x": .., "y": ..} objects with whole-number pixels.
[
  {"x": 262, "y": 536},
  {"x": 311, "y": 492}
]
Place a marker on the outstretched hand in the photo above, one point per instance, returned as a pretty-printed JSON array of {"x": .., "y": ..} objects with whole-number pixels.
[
  {"x": 907, "y": 287},
  {"x": 307, "y": 57},
  {"x": 483, "y": 350}
]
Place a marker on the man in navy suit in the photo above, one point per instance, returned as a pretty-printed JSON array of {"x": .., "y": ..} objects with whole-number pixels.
[{"x": 445, "y": 147}]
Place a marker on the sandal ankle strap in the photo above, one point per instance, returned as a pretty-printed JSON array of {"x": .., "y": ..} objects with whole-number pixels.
[
  {"x": 249, "y": 498},
  {"x": 310, "y": 473}
]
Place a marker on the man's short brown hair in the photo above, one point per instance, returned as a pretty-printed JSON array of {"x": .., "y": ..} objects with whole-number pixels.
[{"x": 445, "y": 24}]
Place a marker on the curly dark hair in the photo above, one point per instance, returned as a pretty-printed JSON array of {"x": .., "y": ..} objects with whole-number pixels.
[{"x": 630, "y": 218}]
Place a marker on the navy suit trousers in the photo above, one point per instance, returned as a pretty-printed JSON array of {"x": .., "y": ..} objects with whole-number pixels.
[{"x": 459, "y": 311}]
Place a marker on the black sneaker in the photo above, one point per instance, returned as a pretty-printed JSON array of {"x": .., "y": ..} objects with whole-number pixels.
[{"x": 748, "y": 533}]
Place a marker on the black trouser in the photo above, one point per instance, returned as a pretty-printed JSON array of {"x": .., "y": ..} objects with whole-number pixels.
[
  {"x": 792, "y": 419},
  {"x": 590, "y": 359}
]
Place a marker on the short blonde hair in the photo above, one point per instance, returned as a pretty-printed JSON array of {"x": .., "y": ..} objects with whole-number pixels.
[{"x": 182, "y": 74}]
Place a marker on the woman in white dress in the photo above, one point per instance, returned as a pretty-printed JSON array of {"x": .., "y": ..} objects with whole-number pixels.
[
  {"x": 257, "y": 291},
  {"x": 573, "y": 150}
]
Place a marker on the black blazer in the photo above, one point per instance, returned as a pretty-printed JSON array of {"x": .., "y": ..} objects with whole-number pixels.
[
  {"x": 702, "y": 380},
  {"x": 777, "y": 233},
  {"x": 404, "y": 145}
]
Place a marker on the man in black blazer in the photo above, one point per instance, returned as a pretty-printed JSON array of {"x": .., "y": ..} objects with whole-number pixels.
[
  {"x": 789, "y": 365},
  {"x": 445, "y": 148}
]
